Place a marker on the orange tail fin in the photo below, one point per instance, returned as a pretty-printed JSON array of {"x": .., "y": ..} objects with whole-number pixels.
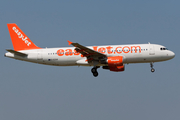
[{"x": 19, "y": 40}]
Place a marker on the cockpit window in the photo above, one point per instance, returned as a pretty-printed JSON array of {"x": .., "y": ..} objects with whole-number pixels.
[{"x": 163, "y": 49}]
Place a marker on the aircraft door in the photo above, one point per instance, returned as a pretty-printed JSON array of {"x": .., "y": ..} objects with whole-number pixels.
[{"x": 151, "y": 50}]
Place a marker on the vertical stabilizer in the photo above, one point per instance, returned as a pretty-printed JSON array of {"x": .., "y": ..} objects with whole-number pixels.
[{"x": 19, "y": 40}]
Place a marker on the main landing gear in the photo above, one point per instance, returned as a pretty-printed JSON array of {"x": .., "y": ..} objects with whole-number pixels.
[
  {"x": 94, "y": 71},
  {"x": 152, "y": 69}
]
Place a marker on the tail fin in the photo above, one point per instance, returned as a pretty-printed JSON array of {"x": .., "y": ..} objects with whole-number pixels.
[{"x": 19, "y": 40}]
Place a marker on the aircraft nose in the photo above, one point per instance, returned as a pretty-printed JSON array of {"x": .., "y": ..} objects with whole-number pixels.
[{"x": 171, "y": 54}]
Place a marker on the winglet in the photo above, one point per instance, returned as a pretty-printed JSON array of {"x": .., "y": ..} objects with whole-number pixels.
[{"x": 70, "y": 42}]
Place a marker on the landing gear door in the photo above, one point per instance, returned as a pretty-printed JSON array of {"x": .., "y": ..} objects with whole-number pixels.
[{"x": 151, "y": 50}]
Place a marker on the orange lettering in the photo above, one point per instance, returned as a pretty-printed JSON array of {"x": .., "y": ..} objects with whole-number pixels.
[
  {"x": 101, "y": 50},
  {"x": 60, "y": 52},
  {"x": 109, "y": 50},
  {"x": 135, "y": 47},
  {"x": 95, "y": 48},
  {"x": 127, "y": 50},
  {"x": 68, "y": 52},
  {"x": 118, "y": 51}
]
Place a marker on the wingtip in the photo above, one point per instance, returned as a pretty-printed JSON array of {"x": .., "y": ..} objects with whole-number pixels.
[{"x": 70, "y": 42}]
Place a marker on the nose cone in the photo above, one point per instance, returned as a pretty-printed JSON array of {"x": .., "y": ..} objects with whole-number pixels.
[{"x": 171, "y": 54}]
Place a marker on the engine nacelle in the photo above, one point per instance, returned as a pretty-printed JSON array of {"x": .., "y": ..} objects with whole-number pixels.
[
  {"x": 115, "y": 61},
  {"x": 115, "y": 68},
  {"x": 115, "y": 64}
]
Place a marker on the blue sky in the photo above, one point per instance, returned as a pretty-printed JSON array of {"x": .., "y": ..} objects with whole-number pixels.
[{"x": 32, "y": 91}]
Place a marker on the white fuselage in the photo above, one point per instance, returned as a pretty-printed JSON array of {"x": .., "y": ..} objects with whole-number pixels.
[{"x": 67, "y": 56}]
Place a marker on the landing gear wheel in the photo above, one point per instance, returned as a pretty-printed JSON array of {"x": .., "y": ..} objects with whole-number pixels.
[
  {"x": 152, "y": 70},
  {"x": 93, "y": 70},
  {"x": 95, "y": 74}
]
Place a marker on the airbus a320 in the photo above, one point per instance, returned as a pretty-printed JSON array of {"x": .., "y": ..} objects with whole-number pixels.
[{"x": 109, "y": 57}]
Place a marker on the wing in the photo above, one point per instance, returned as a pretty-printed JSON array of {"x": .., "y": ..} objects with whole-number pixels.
[{"x": 91, "y": 54}]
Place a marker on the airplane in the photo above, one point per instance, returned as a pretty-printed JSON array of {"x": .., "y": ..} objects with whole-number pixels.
[{"x": 109, "y": 57}]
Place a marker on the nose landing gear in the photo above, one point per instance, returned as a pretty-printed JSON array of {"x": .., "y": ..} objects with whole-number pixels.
[
  {"x": 94, "y": 71},
  {"x": 152, "y": 69}
]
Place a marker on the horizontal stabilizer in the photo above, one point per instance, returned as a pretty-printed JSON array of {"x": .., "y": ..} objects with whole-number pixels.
[{"x": 17, "y": 53}]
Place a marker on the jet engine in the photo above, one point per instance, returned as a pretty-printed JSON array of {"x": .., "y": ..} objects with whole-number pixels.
[{"x": 115, "y": 64}]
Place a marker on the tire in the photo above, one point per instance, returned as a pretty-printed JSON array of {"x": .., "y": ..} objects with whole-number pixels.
[
  {"x": 93, "y": 70},
  {"x": 95, "y": 74},
  {"x": 152, "y": 70}
]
